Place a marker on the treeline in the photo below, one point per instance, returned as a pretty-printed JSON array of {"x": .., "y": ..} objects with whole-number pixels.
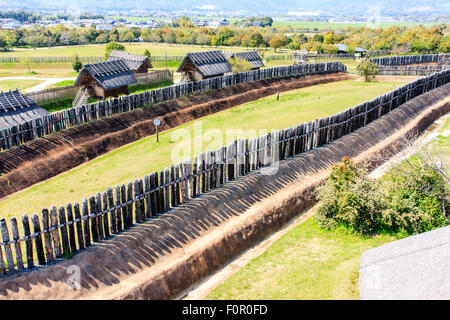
[
  {"x": 21, "y": 15},
  {"x": 400, "y": 40}
]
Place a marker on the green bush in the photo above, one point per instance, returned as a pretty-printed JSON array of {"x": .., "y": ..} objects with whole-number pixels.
[
  {"x": 418, "y": 200},
  {"x": 412, "y": 201},
  {"x": 352, "y": 199}
]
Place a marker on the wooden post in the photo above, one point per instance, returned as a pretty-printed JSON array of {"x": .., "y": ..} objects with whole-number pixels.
[
  {"x": 148, "y": 202},
  {"x": 129, "y": 205},
  {"x": 105, "y": 214},
  {"x": 17, "y": 247},
  {"x": 28, "y": 244},
  {"x": 167, "y": 188},
  {"x": 94, "y": 226},
  {"x": 153, "y": 197},
  {"x": 38, "y": 239},
  {"x": 55, "y": 232},
  {"x": 87, "y": 232},
  {"x": 76, "y": 209},
  {"x": 64, "y": 235},
  {"x": 7, "y": 246},
  {"x": 115, "y": 212},
  {"x": 98, "y": 204},
  {"x": 71, "y": 228},
  {"x": 47, "y": 236},
  {"x": 137, "y": 207}
]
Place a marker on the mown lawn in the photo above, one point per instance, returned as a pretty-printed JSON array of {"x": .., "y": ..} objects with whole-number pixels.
[
  {"x": 144, "y": 156},
  {"x": 5, "y": 85},
  {"x": 308, "y": 262}
]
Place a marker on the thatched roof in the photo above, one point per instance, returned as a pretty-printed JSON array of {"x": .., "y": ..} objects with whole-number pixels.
[
  {"x": 109, "y": 74},
  {"x": 251, "y": 56},
  {"x": 16, "y": 108},
  {"x": 133, "y": 61},
  {"x": 208, "y": 63}
]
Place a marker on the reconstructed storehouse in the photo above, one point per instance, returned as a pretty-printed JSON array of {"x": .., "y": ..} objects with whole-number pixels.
[
  {"x": 251, "y": 56},
  {"x": 16, "y": 108},
  {"x": 136, "y": 62},
  {"x": 202, "y": 65},
  {"x": 105, "y": 79}
]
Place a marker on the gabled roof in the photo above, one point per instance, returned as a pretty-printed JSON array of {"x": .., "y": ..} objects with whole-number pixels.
[
  {"x": 251, "y": 56},
  {"x": 341, "y": 47},
  {"x": 109, "y": 74},
  {"x": 134, "y": 61},
  {"x": 16, "y": 108},
  {"x": 208, "y": 63}
]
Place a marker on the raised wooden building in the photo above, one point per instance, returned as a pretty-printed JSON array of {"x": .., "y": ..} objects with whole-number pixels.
[
  {"x": 202, "y": 65},
  {"x": 16, "y": 108},
  {"x": 137, "y": 63},
  {"x": 251, "y": 56},
  {"x": 105, "y": 79}
]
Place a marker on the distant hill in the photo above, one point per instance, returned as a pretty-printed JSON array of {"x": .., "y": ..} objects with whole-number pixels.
[{"x": 323, "y": 7}]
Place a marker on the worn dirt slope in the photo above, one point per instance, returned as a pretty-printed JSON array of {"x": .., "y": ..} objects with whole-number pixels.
[
  {"x": 44, "y": 158},
  {"x": 160, "y": 258}
]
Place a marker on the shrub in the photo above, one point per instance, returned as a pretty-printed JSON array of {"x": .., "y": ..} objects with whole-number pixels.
[
  {"x": 418, "y": 199},
  {"x": 350, "y": 198},
  {"x": 411, "y": 201},
  {"x": 368, "y": 70}
]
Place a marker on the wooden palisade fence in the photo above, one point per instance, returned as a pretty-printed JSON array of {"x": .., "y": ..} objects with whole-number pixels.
[
  {"x": 410, "y": 70},
  {"x": 61, "y": 232},
  {"x": 422, "y": 58},
  {"x": 36, "y": 128}
]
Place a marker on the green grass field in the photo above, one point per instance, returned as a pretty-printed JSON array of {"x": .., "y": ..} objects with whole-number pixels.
[
  {"x": 285, "y": 21},
  {"x": 44, "y": 70},
  {"x": 5, "y": 85},
  {"x": 114, "y": 168},
  {"x": 60, "y": 84},
  {"x": 307, "y": 263},
  {"x": 99, "y": 50}
]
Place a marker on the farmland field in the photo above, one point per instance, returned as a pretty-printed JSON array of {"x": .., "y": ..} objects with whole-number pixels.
[
  {"x": 114, "y": 168},
  {"x": 284, "y": 22}
]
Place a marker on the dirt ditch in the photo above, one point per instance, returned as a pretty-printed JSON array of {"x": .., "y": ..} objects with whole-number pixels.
[
  {"x": 160, "y": 258},
  {"x": 44, "y": 158}
]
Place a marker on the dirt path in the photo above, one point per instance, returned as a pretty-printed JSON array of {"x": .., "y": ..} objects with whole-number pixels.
[
  {"x": 162, "y": 257},
  {"x": 47, "y": 157}
]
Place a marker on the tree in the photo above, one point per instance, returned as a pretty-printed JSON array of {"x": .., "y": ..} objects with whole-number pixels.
[
  {"x": 368, "y": 70},
  {"x": 276, "y": 42},
  {"x": 148, "y": 54},
  {"x": 26, "y": 61},
  {"x": 129, "y": 36},
  {"x": 113, "y": 46},
  {"x": 239, "y": 65},
  {"x": 77, "y": 64},
  {"x": 256, "y": 40}
]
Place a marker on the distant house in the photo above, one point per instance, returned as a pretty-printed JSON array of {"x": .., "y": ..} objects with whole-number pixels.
[
  {"x": 137, "y": 63},
  {"x": 251, "y": 56},
  {"x": 105, "y": 79},
  {"x": 16, "y": 108},
  {"x": 202, "y": 65},
  {"x": 342, "y": 48}
]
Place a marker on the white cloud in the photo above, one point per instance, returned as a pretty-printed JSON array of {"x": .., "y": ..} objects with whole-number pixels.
[{"x": 206, "y": 7}]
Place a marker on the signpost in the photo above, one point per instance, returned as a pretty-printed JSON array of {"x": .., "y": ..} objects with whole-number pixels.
[{"x": 157, "y": 122}]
